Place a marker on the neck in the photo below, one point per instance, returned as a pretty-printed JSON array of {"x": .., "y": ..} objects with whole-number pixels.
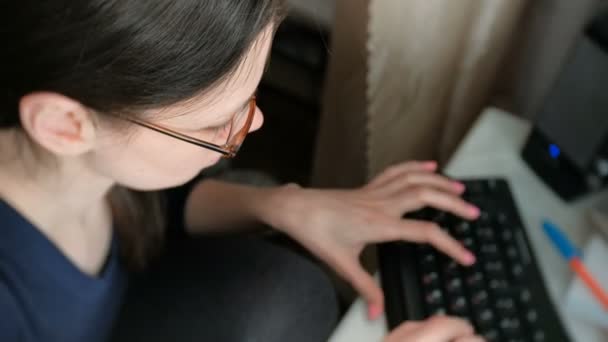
[
  {"x": 63, "y": 198},
  {"x": 50, "y": 192},
  {"x": 54, "y": 201}
]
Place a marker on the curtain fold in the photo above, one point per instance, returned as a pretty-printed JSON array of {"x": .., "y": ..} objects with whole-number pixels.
[
  {"x": 342, "y": 136},
  {"x": 405, "y": 81},
  {"x": 431, "y": 67}
]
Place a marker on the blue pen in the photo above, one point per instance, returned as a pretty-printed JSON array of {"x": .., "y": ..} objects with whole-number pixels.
[
  {"x": 560, "y": 240},
  {"x": 573, "y": 256}
]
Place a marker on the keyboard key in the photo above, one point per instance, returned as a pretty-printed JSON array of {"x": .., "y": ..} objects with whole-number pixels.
[
  {"x": 474, "y": 280},
  {"x": 490, "y": 249},
  {"x": 515, "y": 339},
  {"x": 434, "y": 297},
  {"x": 430, "y": 279},
  {"x": 492, "y": 185},
  {"x": 458, "y": 306},
  {"x": 439, "y": 217},
  {"x": 462, "y": 229},
  {"x": 511, "y": 252},
  {"x": 428, "y": 259},
  {"x": 485, "y": 234},
  {"x": 510, "y": 326},
  {"x": 525, "y": 297},
  {"x": 517, "y": 271},
  {"x": 484, "y": 217},
  {"x": 505, "y": 306},
  {"x": 490, "y": 335},
  {"x": 474, "y": 188},
  {"x": 484, "y": 318},
  {"x": 454, "y": 285},
  {"x": 498, "y": 285},
  {"x": 451, "y": 268},
  {"x": 434, "y": 310},
  {"x": 502, "y": 218},
  {"x": 538, "y": 336},
  {"x": 531, "y": 316},
  {"x": 490, "y": 252},
  {"x": 494, "y": 267},
  {"x": 479, "y": 298},
  {"x": 468, "y": 243},
  {"x": 506, "y": 235}
]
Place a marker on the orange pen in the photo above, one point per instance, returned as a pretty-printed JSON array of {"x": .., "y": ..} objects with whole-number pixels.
[
  {"x": 586, "y": 277},
  {"x": 573, "y": 256}
]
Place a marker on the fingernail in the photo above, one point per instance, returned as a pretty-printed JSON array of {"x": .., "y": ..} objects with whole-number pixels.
[
  {"x": 475, "y": 212},
  {"x": 459, "y": 187},
  {"x": 469, "y": 258},
  {"x": 374, "y": 312}
]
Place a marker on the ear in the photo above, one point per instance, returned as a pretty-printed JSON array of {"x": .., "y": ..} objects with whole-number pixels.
[{"x": 59, "y": 124}]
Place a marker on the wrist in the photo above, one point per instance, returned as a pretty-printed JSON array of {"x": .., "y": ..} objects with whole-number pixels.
[{"x": 272, "y": 206}]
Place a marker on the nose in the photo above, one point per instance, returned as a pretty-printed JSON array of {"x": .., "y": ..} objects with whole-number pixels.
[{"x": 258, "y": 120}]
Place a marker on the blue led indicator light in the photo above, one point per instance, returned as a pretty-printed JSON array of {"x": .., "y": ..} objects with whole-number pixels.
[{"x": 554, "y": 151}]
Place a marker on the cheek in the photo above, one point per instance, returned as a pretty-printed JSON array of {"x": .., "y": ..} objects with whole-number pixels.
[{"x": 151, "y": 161}]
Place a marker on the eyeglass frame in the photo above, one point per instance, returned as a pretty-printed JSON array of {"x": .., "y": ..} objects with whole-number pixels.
[{"x": 228, "y": 150}]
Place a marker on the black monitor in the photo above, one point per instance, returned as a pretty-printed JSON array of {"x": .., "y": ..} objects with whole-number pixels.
[{"x": 568, "y": 147}]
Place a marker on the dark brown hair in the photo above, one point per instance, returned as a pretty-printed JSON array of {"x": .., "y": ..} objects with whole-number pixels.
[{"x": 120, "y": 57}]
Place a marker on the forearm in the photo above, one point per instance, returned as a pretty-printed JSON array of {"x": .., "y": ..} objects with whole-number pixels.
[{"x": 220, "y": 207}]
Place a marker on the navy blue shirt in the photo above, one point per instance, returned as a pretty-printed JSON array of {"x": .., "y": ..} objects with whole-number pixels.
[{"x": 44, "y": 296}]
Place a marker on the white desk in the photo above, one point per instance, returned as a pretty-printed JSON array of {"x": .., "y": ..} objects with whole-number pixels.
[{"x": 492, "y": 148}]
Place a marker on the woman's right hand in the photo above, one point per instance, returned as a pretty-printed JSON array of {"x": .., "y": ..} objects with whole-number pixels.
[{"x": 434, "y": 329}]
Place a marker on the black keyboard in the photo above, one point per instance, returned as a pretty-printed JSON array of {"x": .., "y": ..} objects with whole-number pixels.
[{"x": 502, "y": 295}]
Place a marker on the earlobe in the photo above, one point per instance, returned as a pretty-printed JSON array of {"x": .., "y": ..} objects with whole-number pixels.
[{"x": 57, "y": 123}]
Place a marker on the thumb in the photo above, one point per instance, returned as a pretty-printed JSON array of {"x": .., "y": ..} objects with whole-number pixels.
[{"x": 364, "y": 283}]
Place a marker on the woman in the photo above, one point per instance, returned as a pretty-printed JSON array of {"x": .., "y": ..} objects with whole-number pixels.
[{"x": 104, "y": 96}]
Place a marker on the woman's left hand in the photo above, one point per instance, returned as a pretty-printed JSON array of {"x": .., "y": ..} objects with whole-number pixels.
[{"x": 337, "y": 224}]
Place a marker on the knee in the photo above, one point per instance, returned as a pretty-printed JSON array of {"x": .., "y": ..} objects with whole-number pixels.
[
  {"x": 301, "y": 300},
  {"x": 310, "y": 288}
]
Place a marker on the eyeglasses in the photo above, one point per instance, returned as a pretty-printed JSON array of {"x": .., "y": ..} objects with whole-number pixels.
[{"x": 235, "y": 138}]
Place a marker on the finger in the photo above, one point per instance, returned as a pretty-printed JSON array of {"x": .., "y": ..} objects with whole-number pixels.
[
  {"x": 444, "y": 328},
  {"x": 415, "y": 199},
  {"x": 408, "y": 326},
  {"x": 399, "y": 169},
  {"x": 405, "y": 329},
  {"x": 431, "y": 233},
  {"x": 422, "y": 179},
  {"x": 424, "y": 232},
  {"x": 363, "y": 282}
]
